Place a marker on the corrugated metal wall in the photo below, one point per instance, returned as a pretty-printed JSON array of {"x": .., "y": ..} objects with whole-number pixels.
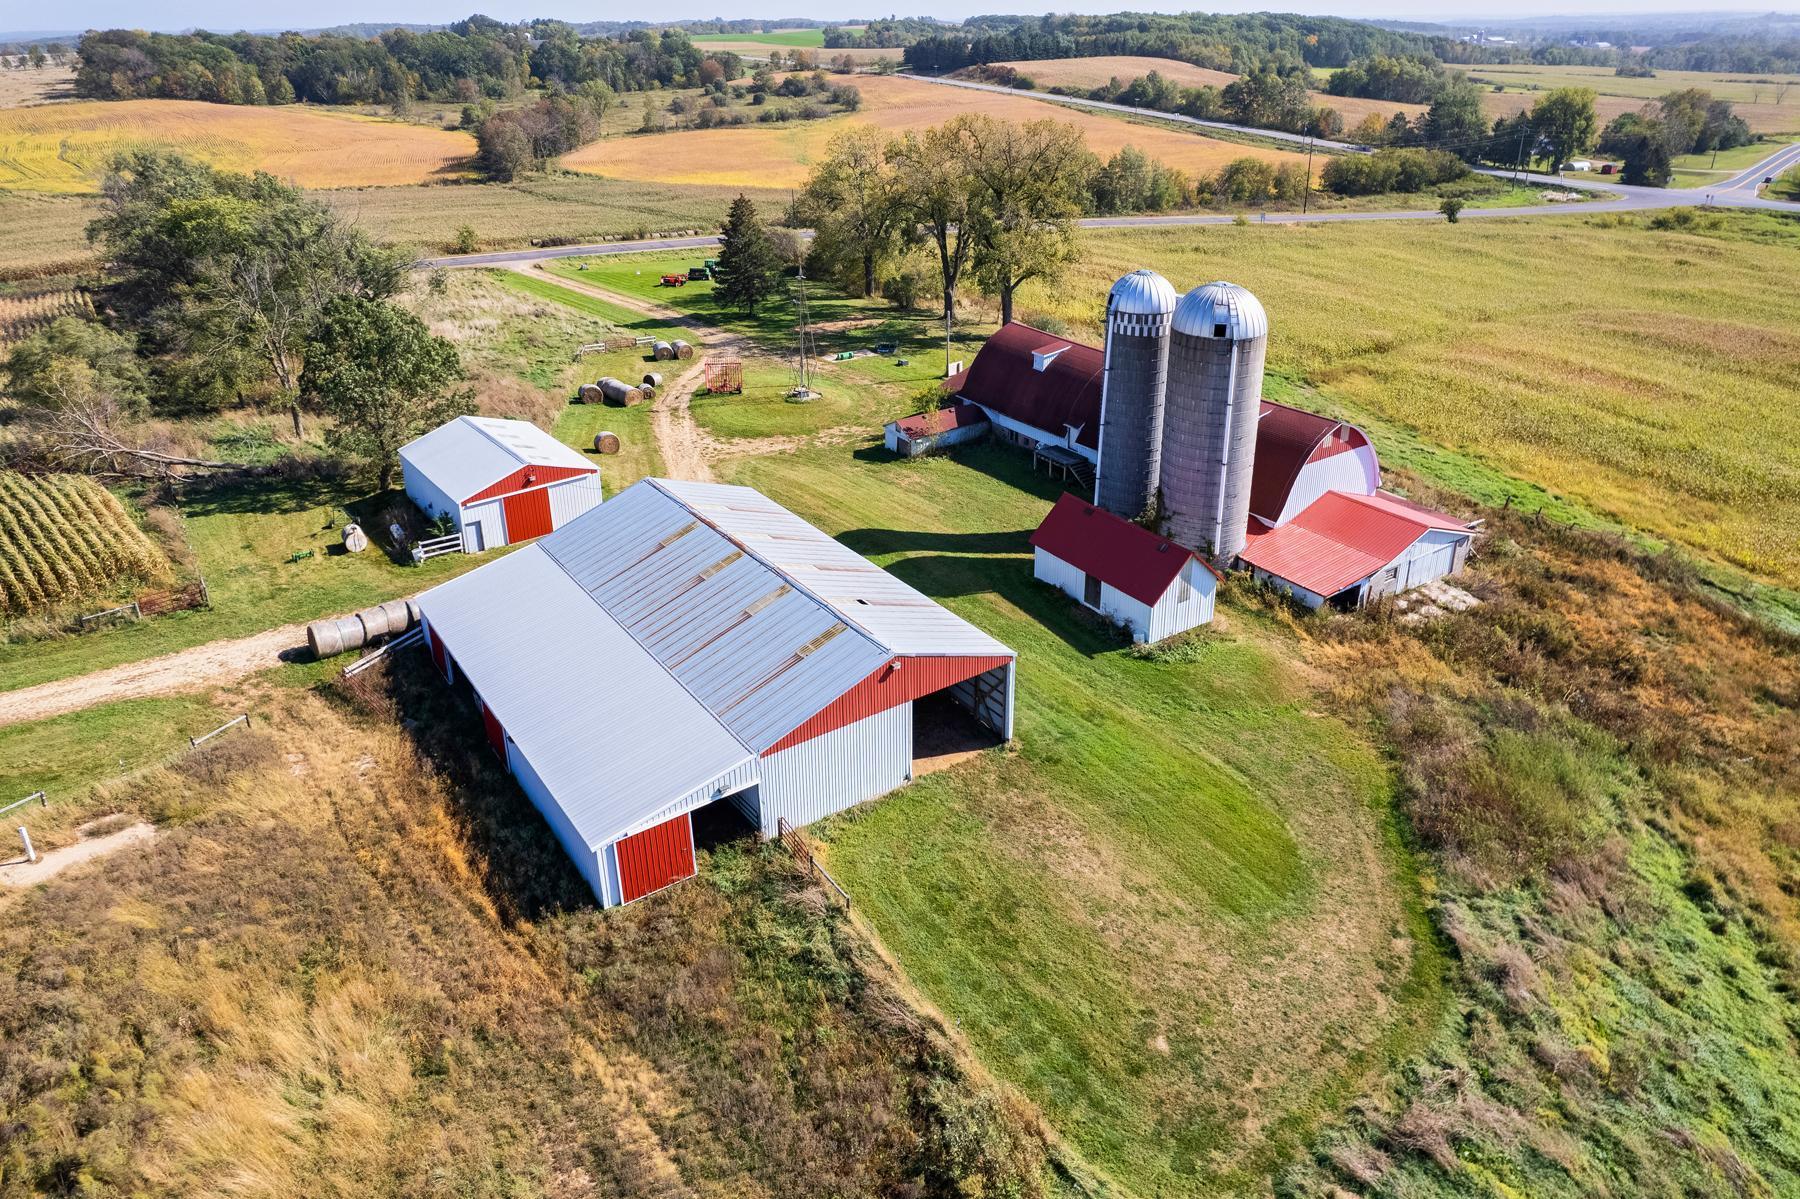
[
  {"x": 482, "y": 528},
  {"x": 838, "y": 770},
  {"x": 899, "y": 681},
  {"x": 586, "y": 860},
  {"x": 570, "y": 499},
  {"x": 431, "y": 499},
  {"x": 523, "y": 478},
  {"x": 1353, "y": 471},
  {"x": 1175, "y": 614},
  {"x": 651, "y": 860},
  {"x": 527, "y": 515},
  {"x": 1072, "y": 580},
  {"x": 989, "y": 696}
]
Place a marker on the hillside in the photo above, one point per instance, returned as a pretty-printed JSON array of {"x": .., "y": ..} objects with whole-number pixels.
[{"x": 1768, "y": 103}]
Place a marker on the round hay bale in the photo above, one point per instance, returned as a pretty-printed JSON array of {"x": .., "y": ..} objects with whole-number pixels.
[
  {"x": 399, "y": 615},
  {"x": 606, "y": 443},
  {"x": 647, "y": 392},
  {"x": 323, "y": 639},
  {"x": 653, "y": 378},
  {"x": 355, "y": 540},
  {"x": 589, "y": 393},
  {"x": 664, "y": 351},
  {"x": 413, "y": 615},
  {"x": 683, "y": 350},
  {"x": 620, "y": 393},
  {"x": 374, "y": 623}
]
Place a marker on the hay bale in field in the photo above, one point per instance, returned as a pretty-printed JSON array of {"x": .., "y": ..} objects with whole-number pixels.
[
  {"x": 606, "y": 443},
  {"x": 620, "y": 393},
  {"x": 355, "y": 540},
  {"x": 589, "y": 393},
  {"x": 653, "y": 378},
  {"x": 664, "y": 351},
  {"x": 648, "y": 392},
  {"x": 683, "y": 350}
]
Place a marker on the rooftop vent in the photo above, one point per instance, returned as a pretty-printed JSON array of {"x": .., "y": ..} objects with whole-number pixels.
[{"x": 1041, "y": 359}]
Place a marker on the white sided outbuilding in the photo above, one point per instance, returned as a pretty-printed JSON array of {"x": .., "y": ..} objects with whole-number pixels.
[
  {"x": 685, "y": 643},
  {"x": 499, "y": 481},
  {"x": 1123, "y": 571}
]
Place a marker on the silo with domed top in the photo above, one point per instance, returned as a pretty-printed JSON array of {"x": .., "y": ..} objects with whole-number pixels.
[{"x": 1138, "y": 311}]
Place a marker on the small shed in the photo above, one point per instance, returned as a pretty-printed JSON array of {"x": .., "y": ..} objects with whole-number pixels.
[
  {"x": 499, "y": 481},
  {"x": 1346, "y": 549},
  {"x": 927, "y": 432},
  {"x": 1123, "y": 571}
]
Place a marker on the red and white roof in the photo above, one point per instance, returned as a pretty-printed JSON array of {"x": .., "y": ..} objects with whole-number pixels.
[
  {"x": 1286, "y": 440},
  {"x": 1129, "y": 558},
  {"x": 941, "y": 420},
  {"x": 1039, "y": 379},
  {"x": 1341, "y": 539},
  {"x": 471, "y": 454}
]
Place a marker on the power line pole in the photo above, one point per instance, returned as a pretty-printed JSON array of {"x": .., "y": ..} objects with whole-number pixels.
[
  {"x": 1306, "y": 195},
  {"x": 1519, "y": 161}
]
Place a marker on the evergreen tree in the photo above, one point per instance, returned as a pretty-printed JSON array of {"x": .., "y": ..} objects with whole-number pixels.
[{"x": 748, "y": 263}]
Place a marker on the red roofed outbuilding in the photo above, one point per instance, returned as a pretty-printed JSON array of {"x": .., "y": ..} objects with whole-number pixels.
[
  {"x": 1349, "y": 549},
  {"x": 1123, "y": 571},
  {"x": 925, "y": 432}
]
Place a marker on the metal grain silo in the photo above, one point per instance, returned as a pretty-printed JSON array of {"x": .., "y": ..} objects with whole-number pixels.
[
  {"x": 1138, "y": 312},
  {"x": 1218, "y": 340}
]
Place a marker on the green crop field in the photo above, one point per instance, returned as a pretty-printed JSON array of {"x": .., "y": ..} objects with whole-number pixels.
[
  {"x": 1171, "y": 918},
  {"x": 1639, "y": 372},
  {"x": 810, "y": 39}
]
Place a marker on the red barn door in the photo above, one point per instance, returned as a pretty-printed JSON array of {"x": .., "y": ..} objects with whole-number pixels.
[
  {"x": 656, "y": 857},
  {"x": 527, "y": 515},
  {"x": 495, "y": 734}
]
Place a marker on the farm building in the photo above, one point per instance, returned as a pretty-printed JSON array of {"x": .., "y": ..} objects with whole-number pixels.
[
  {"x": 690, "y": 643},
  {"x": 928, "y": 432},
  {"x": 1348, "y": 549},
  {"x": 1170, "y": 418},
  {"x": 499, "y": 481},
  {"x": 1123, "y": 571}
]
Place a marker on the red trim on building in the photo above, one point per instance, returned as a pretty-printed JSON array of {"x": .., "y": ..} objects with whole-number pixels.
[
  {"x": 528, "y": 476},
  {"x": 527, "y": 515},
  {"x": 495, "y": 734},
  {"x": 437, "y": 650},
  {"x": 899, "y": 681},
  {"x": 656, "y": 857}
]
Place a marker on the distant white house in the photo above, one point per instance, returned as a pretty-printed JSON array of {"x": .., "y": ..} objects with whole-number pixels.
[
  {"x": 499, "y": 481},
  {"x": 1123, "y": 571}
]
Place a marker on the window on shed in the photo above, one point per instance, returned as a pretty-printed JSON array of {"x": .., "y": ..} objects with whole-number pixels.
[{"x": 1090, "y": 591}]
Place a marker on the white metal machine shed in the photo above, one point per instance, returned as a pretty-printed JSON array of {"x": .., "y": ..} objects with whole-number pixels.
[
  {"x": 687, "y": 642},
  {"x": 499, "y": 481}
]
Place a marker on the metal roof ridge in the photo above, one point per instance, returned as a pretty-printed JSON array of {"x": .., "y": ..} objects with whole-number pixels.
[
  {"x": 635, "y": 640},
  {"x": 781, "y": 572},
  {"x": 473, "y": 423}
]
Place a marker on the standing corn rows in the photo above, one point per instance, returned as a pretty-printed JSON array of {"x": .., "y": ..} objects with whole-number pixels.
[
  {"x": 19, "y": 315},
  {"x": 64, "y": 537}
]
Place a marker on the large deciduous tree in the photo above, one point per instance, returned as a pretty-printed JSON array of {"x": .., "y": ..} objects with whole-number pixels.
[
  {"x": 938, "y": 195},
  {"x": 851, "y": 200},
  {"x": 1565, "y": 123},
  {"x": 1030, "y": 181},
  {"x": 749, "y": 264},
  {"x": 227, "y": 275},
  {"x": 384, "y": 377},
  {"x": 1455, "y": 121}
]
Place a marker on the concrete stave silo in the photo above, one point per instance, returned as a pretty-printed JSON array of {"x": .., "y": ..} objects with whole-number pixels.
[
  {"x": 1218, "y": 341},
  {"x": 1139, "y": 310}
]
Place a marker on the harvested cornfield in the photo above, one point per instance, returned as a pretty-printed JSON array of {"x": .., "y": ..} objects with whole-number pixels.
[
  {"x": 65, "y": 147},
  {"x": 20, "y": 316},
  {"x": 65, "y": 538}
]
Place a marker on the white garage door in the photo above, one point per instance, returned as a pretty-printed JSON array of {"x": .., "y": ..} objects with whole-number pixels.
[{"x": 1433, "y": 563}]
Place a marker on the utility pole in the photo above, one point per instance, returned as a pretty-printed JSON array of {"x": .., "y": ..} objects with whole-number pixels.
[
  {"x": 947, "y": 350},
  {"x": 1519, "y": 162},
  {"x": 1306, "y": 195}
]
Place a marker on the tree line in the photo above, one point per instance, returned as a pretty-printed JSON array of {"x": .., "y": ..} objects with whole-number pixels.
[
  {"x": 474, "y": 58},
  {"x": 226, "y": 289}
]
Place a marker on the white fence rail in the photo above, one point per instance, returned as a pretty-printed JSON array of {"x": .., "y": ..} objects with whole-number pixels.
[
  {"x": 433, "y": 547},
  {"x": 37, "y": 796},
  {"x": 197, "y": 742},
  {"x": 411, "y": 637}
]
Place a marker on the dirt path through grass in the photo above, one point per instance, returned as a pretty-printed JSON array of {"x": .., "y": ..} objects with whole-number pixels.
[
  {"x": 184, "y": 670},
  {"x": 20, "y": 873}
]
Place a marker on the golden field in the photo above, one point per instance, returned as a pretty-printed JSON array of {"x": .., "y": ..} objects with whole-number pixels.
[
  {"x": 65, "y": 147},
  {"x": 780, "y": 155},
  {"x": 1092, "y": 72},
  {"x": 1646, "y": 375},
  {"x": 45, "y": 86}
]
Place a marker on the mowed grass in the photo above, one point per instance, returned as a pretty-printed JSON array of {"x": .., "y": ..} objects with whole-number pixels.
[
  {"x": 1645, "y": 374},
  {"x": 1093, "y": 71},
  {"x": 781, "y": 155},
  {"x": 1756, "y": 96},
  {"x": 1171, "y": 917},
  {"x": 65, "y": 755},
  {"x": 66, "y": 147}
]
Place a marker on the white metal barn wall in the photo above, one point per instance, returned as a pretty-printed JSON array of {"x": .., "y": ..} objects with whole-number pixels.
[
  {"x": 1311, "y": 599},
  {"x": 1353, "y": 471},
  {"x": 838, "y": 770},
  {"x": 1431, "y": 557},
  {"x": 1072, "y": 580},
  {"x": 1040, "y": 436},
  {"x": 482, "y": 527},
  {"x": 1173, "y": 614},
  {"x": 426, "y": 494},
  {"x": 569, "y": 498},
  {"x": 586, "y": 860}
]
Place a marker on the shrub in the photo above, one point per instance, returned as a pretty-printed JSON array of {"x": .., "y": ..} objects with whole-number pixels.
[{"x": 1391, "y": 170}]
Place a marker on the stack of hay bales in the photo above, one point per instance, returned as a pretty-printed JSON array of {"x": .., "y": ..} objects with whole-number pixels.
[{"x": 329, "y": 637}]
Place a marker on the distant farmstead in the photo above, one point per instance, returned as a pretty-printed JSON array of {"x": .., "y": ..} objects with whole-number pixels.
[
  {"x": 499, "y": 482},
  {"x": 690, "y": 643}
]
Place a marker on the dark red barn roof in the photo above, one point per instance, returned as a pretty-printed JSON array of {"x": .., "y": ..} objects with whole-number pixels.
[
  {"x": 942, "y": 420},
  {"x": 1286, "y": 440},
  {"x": 1004, "y": 377},
  {"x": 1128, "y": 557}
]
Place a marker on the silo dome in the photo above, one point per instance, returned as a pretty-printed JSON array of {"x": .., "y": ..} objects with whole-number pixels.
[
  {"x": 1221, "y": 310},
  {"x": 1142, "y": 293}
]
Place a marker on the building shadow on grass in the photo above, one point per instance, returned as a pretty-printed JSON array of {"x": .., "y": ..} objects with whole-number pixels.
[
  {"x": 522, "y": 867},
  {"x": 949, "y": 576}
]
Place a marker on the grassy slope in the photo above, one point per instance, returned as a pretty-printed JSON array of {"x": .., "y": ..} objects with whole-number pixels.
[
  {"x": 805, "y": 38},
  {"x": 1176, "y": 845},
  {"x": 1633, "y": 371},
  {"x": 66, "y": 754}
]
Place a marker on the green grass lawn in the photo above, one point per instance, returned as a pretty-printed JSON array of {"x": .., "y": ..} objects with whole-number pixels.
[
  {"x": 1728, "y": 161},
  {"x": 1171, "y": 917}
]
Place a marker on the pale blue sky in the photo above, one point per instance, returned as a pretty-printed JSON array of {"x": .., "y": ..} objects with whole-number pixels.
[{"x": 20, "y": 15}]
